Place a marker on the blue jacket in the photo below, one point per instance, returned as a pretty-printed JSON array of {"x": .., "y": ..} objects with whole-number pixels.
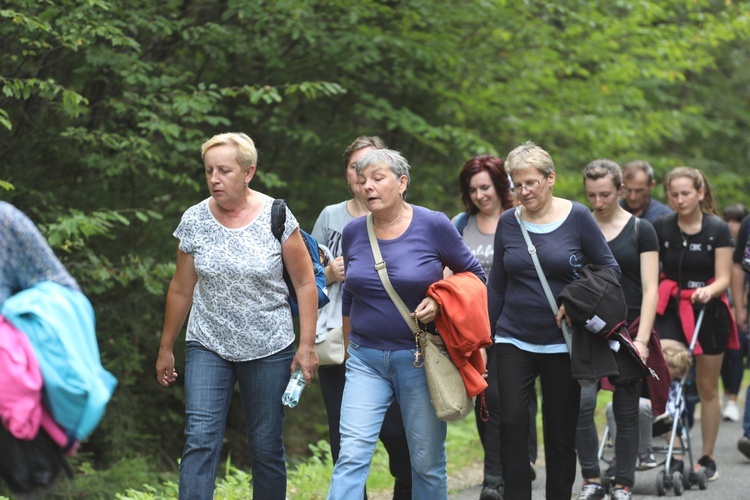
[{"x": 59, "y": 322}]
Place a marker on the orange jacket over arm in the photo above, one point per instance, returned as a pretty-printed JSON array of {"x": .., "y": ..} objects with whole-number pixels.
[{"x": 464, "y": 325}]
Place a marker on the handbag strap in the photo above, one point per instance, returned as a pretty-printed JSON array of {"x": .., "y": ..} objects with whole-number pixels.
[
  {"x": 380, "y": 267},
  {"x": 552, "y": 303}
]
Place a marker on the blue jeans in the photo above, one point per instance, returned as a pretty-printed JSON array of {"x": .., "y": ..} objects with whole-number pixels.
[
  {"x": 209, "y": 383},
  {"x": 393, "y": 436},
  {"x": 373, "y": 378}
]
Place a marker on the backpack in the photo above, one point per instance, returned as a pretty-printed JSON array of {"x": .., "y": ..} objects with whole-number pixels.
[
  {"x": 278, "y": 221},
  {"x": 461, "y": 222}
]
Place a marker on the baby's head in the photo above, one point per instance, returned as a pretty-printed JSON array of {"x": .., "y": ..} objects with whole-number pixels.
[{"x": 678, "y": 360}]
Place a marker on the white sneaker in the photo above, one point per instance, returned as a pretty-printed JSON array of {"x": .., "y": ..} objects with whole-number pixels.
[{"x": 731, "y": 412}]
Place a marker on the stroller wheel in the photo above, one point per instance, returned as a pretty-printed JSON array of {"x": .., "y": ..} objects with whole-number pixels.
[
  {"x": 689, "y": 479},
  {"x": 661, "y": 488},
  {"x": 702, "y": 479},
  {"x": 677, "y": 484}
]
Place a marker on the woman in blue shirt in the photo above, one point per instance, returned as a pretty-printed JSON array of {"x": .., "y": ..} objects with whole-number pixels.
[
  {"x": 417, "y": 244},
  {"x": 528, "y": 338}
]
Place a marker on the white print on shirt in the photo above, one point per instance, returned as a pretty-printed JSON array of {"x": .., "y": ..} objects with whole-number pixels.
[{"x": 484, "y": 251}]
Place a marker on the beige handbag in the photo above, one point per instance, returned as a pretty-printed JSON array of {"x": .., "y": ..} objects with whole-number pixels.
[
  {"x": 447, "y": 389},
  {"x": 332, "y": 350}
]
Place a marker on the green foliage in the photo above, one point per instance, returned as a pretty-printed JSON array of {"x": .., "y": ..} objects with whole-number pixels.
[{"x": 104, "y": 105}]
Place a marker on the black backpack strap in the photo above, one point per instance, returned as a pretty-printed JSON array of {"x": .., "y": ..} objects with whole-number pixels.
[{"x": 278, "y": 217}]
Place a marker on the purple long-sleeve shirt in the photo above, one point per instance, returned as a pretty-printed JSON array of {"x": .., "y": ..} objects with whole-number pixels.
[
  {"x": 518, "y": 306},
  {"x": 414, "y": 261}
]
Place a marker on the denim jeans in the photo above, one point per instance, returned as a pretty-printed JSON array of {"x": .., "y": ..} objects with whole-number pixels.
[
  {"x": 733, "y": 366},
  {"x": 392, "y": 434},
  {"x": 373, "y": 379},
  {"x": 626, "y": 436},
  {"x": 209, "y": 383},
  {"x": 517, "y": 372}
]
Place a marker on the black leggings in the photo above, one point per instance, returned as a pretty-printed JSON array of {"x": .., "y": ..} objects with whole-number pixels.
[{"x": 517, "y": 372}]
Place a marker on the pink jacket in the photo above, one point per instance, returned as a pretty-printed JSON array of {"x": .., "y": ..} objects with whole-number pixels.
[
  {"x": 21, "y": 407},
  {"x": 20, "y": 383}
]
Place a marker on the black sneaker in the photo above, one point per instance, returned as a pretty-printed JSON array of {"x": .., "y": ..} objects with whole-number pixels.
[
  {"x": 611, "y": 471},
  {"x": 493, "y": 488},
  {"x": 676, "y": 465},
  {"x": 490, "y": 494},
  {"x": 744, "y": 445},
  {"x": 592, "y": 491},
  {"x": 712, "y": 474},
  {"x": 646, "y": 460}
]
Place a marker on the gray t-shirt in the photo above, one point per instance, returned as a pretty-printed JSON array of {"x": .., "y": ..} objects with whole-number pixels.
[
  {"x": 240, "y": 309},
  {"x": 327, "y": 231},
  {"x": 480, "y": 244}
]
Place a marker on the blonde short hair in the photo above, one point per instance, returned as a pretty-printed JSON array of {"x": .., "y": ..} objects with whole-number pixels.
[
  {"x": 247, "y": 155},
  {"x": 678, "y": 359},
  {"x": 529, "y": 155}
]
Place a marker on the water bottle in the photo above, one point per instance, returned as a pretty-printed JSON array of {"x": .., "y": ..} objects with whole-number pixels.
[{"x": 294, "y": 388}]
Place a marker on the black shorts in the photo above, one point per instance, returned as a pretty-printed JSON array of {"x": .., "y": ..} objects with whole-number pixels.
[{"x": 714, "y": 332}]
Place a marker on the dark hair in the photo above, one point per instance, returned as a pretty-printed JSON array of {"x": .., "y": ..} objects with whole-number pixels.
[
  {"x": 632, "y": 167},
  {"x": 603, "y": 167},
  {"x": 361, "y": 142},
  {"x": 495, "y": 167},
  {"x": 735, "y": 212}
]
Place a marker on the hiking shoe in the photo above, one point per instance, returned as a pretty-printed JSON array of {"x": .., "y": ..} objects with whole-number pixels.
[
  {"x": 493, "y": 488},
  {"x": 712, "y": 474},
  {"x": 620, "y": 494},
  {"x": 592, "y": 491},
  {"x": 489, "y": 493},
  {"x": 646, "y": 460},
  {"x": 676, "y": 465},
  {"x": 744, "y": 445},
  {"x": 731, "y": 412}
]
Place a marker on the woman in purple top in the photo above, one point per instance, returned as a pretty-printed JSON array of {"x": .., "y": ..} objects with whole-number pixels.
[
  {"x": 528, "y": 338},
  {"x": 417, "y": 244}
]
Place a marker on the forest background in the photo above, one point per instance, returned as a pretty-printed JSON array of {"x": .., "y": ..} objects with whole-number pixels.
[{"x": 105, "y": 103}]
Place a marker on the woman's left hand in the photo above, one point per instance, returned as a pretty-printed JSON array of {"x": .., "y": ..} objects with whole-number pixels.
[
  {"x": 427, "y": 310},
  {"x": 307, "y": 360}
]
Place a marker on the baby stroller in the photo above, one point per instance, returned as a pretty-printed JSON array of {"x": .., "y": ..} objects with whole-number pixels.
[{"x": 671, "y": 478}]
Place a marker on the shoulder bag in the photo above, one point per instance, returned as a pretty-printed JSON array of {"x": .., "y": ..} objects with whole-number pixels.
[
  {"x": 444, "y": 381},
  {"x": 332, "y": 350}
]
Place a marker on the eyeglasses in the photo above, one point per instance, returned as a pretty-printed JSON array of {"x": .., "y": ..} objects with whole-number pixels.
[{"x": 529, "y": 186}]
